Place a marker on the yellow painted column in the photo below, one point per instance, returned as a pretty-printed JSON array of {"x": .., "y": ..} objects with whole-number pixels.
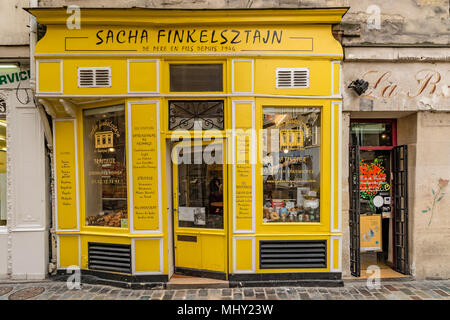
[{"x": 66, "y": 171}]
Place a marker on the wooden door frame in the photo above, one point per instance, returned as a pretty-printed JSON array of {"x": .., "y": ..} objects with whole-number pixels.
[
  {"x": 204, "y": 273},
  {"x": 390, "y": 148}
]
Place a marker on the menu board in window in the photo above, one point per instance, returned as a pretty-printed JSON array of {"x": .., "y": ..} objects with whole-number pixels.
[
  {"x": 291, "y": 165},
  {"x": 105, "y": 171}
]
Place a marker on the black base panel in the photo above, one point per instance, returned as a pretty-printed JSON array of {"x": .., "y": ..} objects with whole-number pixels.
[
  {"x": 287, "y": 283},
  {"x": 306, "y": 279},
  {"x": 118, "y": 280},
  {"x": 317, "y": 279},
  {"x": 201, "y": 273},
  {"x": 334, "y": 276}
]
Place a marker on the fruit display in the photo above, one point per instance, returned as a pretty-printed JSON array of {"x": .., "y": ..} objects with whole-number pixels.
[{"x": 110, "y": 219}]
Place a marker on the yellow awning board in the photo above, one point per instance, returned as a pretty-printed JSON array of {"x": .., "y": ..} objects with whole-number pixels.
[{"x": 246, "y": 32}]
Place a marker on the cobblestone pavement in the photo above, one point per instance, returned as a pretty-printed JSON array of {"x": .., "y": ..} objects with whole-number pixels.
[{"x": 393, "y": 290}]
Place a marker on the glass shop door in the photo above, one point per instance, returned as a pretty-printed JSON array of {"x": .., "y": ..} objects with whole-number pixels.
[{"x": 200, "y": 208}]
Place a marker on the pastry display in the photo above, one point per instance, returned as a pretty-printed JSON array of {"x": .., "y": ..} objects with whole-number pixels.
[
  {"x": 105, "y": 167},
  {"x": 110, "y": 219},
  {"x": 279, "y": 210},
  {"x": 274, "y": 216}
]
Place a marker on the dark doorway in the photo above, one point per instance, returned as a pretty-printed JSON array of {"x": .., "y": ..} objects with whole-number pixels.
[{"x": 378, "y": 198}]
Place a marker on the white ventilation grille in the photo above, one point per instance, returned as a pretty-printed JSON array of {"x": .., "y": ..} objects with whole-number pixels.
[
  {"x": 292, "y": 78},
  {"x": 94, "y": 77}
]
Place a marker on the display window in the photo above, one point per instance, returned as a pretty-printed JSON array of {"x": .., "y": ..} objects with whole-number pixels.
[
  {"x": 371, "y": 134},
  {"x": 196, "y": 77},
  {"x": 105, "y": 171},
  {"x": 376, "y": 139},
  {"x": 200, "y": 189},
  {"x": 375, "y": 184},
  {"x": 291, "y": 165}
]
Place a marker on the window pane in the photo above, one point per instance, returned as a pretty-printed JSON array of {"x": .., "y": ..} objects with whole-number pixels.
[
  {"x": 200, "y": 189},
  {"x": 105, "y": 171},
  {"x": 196, "y": 77},
  {"x": 375, "y": 184},
  {"x": 371, "y": 134},
  {"x": 291, "y": 164},
  {"x": 2, "y": 172}
]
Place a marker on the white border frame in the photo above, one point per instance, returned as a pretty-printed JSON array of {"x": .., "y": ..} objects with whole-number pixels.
[
  {"x": 77, "y": 195},
  {"x": 58, "y": 252},
  {"x": 252, "y": 161},
  {"x": 332, "y": 198},
  {"x": 336, "y": 94},
  {"x": 151, "y": 54},
  {"x": 252, "y": 61},
  {"x": 133, "y": 257},
  {"x": 332, "y": 249},
  {"x": 38, "y": 62},
  {"x": 184, "y": 95},
  {"x": 130, "y": 168},
  {"x": 235, "y": 238},
  {"x": 143, "y": 60}
]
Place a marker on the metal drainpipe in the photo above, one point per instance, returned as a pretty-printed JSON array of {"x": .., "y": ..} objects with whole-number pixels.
[
  {"x": 33, "y": 36},
  {"x": 33, "y": 39}
]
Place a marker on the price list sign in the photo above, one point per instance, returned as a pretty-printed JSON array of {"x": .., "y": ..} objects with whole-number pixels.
[{"x": 145, "y": 153}]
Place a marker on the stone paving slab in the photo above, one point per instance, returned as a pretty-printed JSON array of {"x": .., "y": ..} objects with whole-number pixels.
[{"x": 394, "y": 290}]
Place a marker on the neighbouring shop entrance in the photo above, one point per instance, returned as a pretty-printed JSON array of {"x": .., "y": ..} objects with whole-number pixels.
[
  {"x": 200, "y": 215},
  {"x": 379, "y": 206}
]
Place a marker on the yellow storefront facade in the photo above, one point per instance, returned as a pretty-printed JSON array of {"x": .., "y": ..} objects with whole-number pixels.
[{"x": 196, "y": 142}]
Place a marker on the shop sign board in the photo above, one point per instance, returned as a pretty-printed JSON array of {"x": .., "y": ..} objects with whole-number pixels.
[
  {"x": 280, "y": 39},
  {"x": 399, "y": 86},
  {"x": 188, "y": 39},
  {"x": 11, "y": 78}
]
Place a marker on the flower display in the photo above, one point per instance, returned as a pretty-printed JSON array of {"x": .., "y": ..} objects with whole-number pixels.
[{"x": 372, "y": 178}]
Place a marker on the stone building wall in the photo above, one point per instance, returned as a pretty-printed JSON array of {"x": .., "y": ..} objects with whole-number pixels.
[
  {"x": 15, "y": 22},
  {"x": 406, "y": 22},
  {"x": 429, "y": 198}
]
